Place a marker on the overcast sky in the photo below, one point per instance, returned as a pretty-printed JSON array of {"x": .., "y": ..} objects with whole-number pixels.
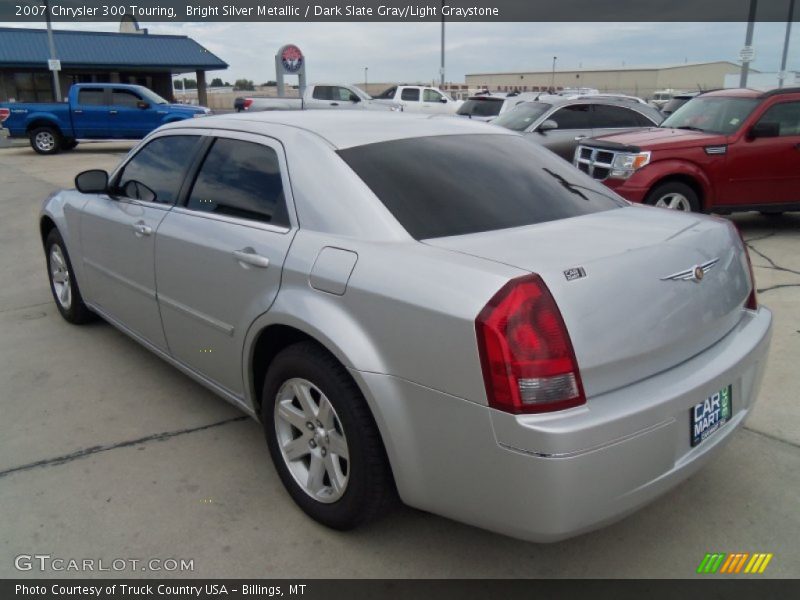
[{"x": 397, "y": 52}]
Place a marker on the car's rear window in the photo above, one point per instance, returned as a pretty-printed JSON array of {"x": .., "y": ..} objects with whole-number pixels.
[
  {"x": 481, "y": 107},
  {"x": 440, "y": 186}
]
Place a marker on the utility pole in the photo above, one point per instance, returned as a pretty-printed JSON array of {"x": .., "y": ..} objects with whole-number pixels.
[
  {"x": 441, "y": 66},
  {"x": 365, "y": 80},
  {"x": 52, "y": 44},
  {"x": 748, "y": 42},
  {"x": 782, "y": 74},
  {"x": 553, "y": 76}
]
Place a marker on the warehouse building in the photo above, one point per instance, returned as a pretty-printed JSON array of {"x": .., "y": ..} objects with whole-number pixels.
[
  {"x": 637, "y": 81},
  {"x": 98, "y": 57}
]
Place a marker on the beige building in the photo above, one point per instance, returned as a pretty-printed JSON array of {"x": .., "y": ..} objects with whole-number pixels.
[{"x": 637, "y": 81}]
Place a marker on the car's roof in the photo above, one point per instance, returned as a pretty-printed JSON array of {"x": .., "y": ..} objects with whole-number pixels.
[
  {"x": 736, "y": 93},
  {"x": 345, "y": 129}
]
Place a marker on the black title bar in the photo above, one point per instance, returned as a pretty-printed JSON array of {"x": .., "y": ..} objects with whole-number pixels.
[{"x": 33, "y": 11}]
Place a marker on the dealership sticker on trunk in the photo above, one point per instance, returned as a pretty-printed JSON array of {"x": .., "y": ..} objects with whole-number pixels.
[{"x": 710, "y": 414}]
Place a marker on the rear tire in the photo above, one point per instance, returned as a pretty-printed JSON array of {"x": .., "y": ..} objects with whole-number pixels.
[
  {"x": 323, "y": 440},
  {"x": 46, "y": 140},
  {"x": 63, "y": 284},
  {"x": 674, "y": 195}
]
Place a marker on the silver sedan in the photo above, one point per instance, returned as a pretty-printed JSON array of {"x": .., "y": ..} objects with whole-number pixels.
[{"x": 434, "y": 309}]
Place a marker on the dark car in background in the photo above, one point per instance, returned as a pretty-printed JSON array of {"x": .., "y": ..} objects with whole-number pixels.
[
  {"x": 677, "y": 101},
  {"x": 560, "y": 124}
]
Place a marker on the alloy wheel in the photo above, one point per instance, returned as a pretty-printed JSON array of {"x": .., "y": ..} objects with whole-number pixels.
[
  {"x": 45, "y": 141},
  {"x": 674, "y": 201},
  {"x": 312, "y": 441},
  {"x": 59, "y": 275}
]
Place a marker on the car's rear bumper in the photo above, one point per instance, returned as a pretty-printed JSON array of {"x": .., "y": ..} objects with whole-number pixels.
[{"x": 548, "y": 477}]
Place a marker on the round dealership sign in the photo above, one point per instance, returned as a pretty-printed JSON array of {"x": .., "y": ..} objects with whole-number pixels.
[{"x": 291, "y": 58}]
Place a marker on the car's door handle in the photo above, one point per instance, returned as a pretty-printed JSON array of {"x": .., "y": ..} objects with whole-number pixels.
[
  {"x": 77, "y": 112},
  {"x": 334, "y": 104},
  {"x": 141, "y": 229},
  {"x": 112, "y": 112},
  {"x": 248, "y": 256},
  {"x": 580, "y": 137}
]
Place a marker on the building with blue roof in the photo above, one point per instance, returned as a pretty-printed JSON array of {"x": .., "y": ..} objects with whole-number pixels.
[{"x": 98, "y": 57}]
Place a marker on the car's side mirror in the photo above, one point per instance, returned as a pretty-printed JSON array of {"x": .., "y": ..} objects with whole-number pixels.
[
  {"x": 443, "y": 100},
  {"x": 766, "y": 129},
  {"x": 142, "y": 104},
  {"x": 354, "y": 99},
  {"x": 92, "y": 182},
  {"x": 138, "y": 190},
  {"x": 548, "y": 125}
]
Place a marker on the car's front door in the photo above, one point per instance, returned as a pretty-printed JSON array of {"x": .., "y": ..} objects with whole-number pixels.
[
  {"x": 573, "y": 125},
  {"x": 130, "y": 116},
  {"x": 766, "y": 170},
  {"x": 433, "y": 101},
  {"x": 219, "y": 257},
  {"x": 118, "y": 234}
]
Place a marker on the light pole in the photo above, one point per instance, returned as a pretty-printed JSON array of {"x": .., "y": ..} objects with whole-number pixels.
[
  {"x": 748, "y": 41},
  {"x": 782, "y": 74},
  {"x": 365, "y": 80},
  {"x": 441, "y": 66},
  {"x": 553, "y": 76},
  {"x": 51, "y": 43}
]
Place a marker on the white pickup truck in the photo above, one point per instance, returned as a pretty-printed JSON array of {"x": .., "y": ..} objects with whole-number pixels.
[
  {"x": 317, "y": 96},
  {"x": 418, "y": 98}
]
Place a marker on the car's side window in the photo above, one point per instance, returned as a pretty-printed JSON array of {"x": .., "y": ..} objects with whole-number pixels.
[
  {"x": 156, "y": 173},
  {"x": 431, "y": 96},
  {"x": 124, "y": 98},
  {"x": 410, "y": 94},
  {"x": 786, "y": 115},
  {"x": 343, "y": 94},
  {"x": 92, "y": 97},
  {"x": 322, "y": 92},
  {"x": 388, "y": 94},
  {"x": 241, "y": 179},
  {"x": 607, "y": 116},
  {"x": 572, "y": 117}
]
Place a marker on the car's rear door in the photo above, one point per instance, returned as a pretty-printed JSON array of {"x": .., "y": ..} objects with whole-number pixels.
[
  {"x": 606, "y": 119},
  {"x": 90, "y": 113},
  {"x": 118, "y": 233},
  {"x": 219, "y": 256}
]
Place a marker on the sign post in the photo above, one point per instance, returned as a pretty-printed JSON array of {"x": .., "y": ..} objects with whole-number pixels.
[{"x": 290, "y": 61}]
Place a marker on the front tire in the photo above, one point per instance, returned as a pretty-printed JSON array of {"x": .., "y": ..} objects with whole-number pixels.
[
  {"x": 674, "y": 195},
  {"x": 63, "y": 284},
  {"x": 323, "y": 440},
  {"x": 46, "y": 140}
]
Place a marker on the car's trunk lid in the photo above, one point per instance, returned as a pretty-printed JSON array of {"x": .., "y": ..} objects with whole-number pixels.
[{"x": 610, "y": 274}]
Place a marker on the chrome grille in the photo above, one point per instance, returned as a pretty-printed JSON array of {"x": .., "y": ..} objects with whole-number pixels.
[{"x": 594, "y": 161}]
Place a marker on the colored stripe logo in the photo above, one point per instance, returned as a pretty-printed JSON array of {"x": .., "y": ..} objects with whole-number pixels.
[{"x": 734, "y": 563}]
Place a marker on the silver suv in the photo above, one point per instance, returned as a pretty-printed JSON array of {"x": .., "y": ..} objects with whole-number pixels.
[{"x": 559, "y": 124}]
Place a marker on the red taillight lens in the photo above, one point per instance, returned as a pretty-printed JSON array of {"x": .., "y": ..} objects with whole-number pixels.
[
  {"x": 528, "y": 362},
  {"x": 4, "y": 114},
  {"x": 752, "y": 301},
  {"x": 247, "y": 103}
]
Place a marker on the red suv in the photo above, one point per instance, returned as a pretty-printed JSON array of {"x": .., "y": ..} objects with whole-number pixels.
[{"x": 723, "y": 151}]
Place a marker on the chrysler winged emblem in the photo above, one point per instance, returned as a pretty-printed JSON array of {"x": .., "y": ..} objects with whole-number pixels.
[{"x": 695, "y": 273}]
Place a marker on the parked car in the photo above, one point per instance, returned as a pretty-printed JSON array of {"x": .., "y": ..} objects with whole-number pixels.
[
  {"x": 485, "y": 106},
  {"x": 418, "y": 98},
  {"x": 661, "y": 97},
  {"x": 533, "y": 355},
  {"x": 560, "y": 123},
  {"x": 677, "y": 101},
  {"x": 317, "y": 96},
  {"x": 93, "y": 111},
  {"x": 723, "y": 151}
]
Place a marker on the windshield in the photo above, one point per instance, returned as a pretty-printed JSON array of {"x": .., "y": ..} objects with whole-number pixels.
[
  {"x": 151, "y": 96},
  {"x": 522, "y": 115},
  {"x": 712, "y": 114},
  {"x": 481, "y": 107},
  {"x": 438, "y": 186}
]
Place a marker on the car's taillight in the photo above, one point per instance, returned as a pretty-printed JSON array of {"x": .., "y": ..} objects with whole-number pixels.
[
  {"x": 526, "y": 354},
  {"x": 4, "y": 114},
  {"x": 247, "y": 102},
  {"x": 752, "y": 301}
]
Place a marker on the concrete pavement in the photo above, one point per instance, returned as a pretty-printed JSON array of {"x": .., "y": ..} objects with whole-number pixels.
[{"x": 106, "y": 452}]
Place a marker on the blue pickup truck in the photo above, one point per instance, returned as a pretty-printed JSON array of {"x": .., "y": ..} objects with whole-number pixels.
[{"x": 93, "y": 111}]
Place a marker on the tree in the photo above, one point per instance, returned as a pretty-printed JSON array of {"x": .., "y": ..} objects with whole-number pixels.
[
  {"x": 191, "y": 84},
  {"x": 243, "y": 84},
  {"x": 216, "y": 82},
  {"x": 178, "y": 84}
]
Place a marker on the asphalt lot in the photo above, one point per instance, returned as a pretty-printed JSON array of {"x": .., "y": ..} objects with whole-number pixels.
[{"x": 107, "y": 452}]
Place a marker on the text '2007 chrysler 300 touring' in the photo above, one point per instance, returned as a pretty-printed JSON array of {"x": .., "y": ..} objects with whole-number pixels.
[{"x": 431, "y": 308}]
